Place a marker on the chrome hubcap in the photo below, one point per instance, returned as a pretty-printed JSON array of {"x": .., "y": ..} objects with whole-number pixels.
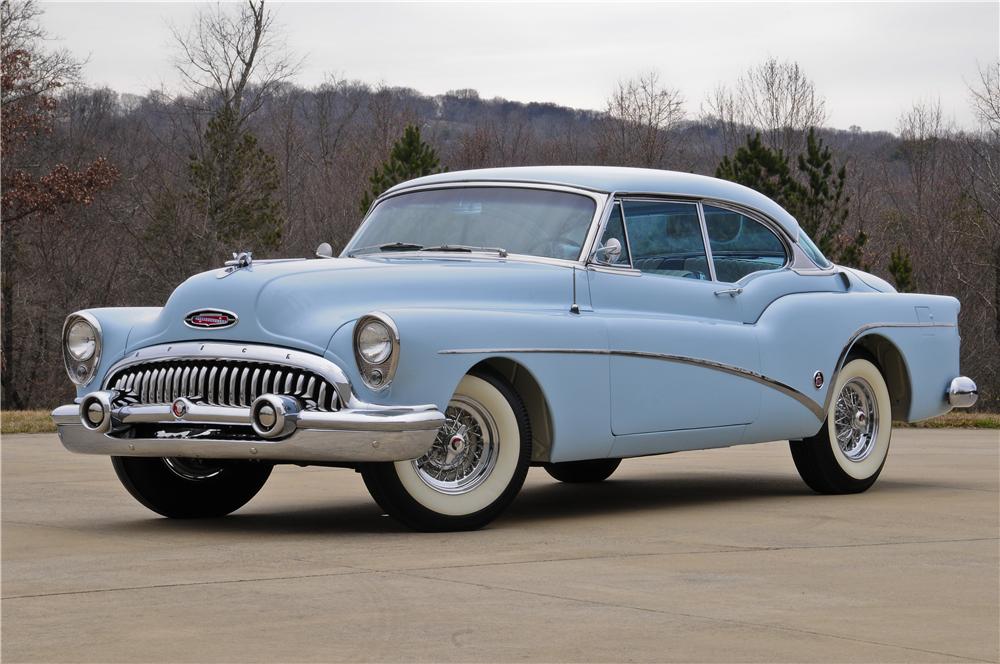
[
  {"x": 855, "y": 419},
  {"x": 193, "y": 469},
  {"x": 464, "y": 452}
]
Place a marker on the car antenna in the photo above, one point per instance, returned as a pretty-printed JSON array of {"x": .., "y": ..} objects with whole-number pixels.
[{"x": 574, "y": 308}]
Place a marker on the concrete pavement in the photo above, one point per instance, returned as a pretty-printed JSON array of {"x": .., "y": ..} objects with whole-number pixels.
[{"x": 720, "y": 555}]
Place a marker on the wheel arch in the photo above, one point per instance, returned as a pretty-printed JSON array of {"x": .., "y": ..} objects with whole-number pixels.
[
  {"x": 530, "y": 390},
  {"x": 890, "y": 361}
]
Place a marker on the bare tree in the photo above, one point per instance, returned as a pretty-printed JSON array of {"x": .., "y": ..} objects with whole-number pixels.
[
  {"x": 234, "y": 59},
  {"x": 640, "y": 114},
  {"x": 982, "y": 165},
  {"x": 775, "y": 98}
]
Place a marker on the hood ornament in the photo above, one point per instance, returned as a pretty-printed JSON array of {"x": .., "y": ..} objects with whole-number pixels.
[{"x": 241, "y": 260}]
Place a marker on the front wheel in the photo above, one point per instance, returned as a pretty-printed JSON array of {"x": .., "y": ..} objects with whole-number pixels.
[
  {"x": 848, "y": 453},
  {"x": 191, "y": 488},
  {"x": 474, "y": 469}
]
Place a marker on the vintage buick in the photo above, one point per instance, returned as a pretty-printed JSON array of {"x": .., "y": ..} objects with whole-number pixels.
[{"x": 481, "y": 322}]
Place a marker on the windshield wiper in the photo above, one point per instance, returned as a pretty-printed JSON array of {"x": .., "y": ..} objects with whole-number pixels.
[
  {"x": 466, "y": 248},
  {"x": 388, "y": 246}
]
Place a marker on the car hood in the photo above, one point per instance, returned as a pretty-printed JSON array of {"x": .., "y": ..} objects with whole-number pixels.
[{"x": 301, "y": 303}]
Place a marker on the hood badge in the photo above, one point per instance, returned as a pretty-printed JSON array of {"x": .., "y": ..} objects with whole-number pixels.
[
  {"x": 241, "y": 260},
  {"x": 210, "y": 319}
]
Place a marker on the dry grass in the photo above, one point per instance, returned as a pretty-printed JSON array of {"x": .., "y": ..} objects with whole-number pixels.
[
  {"x": 39, "y": 421},
  {"x": 957, "y": 419},
  {"x": 26, "y": 421}
]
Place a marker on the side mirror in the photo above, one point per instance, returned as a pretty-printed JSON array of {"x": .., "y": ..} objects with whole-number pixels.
[
  {"x": 610, "y": 252},
  {"x": 324, "y": 251}
]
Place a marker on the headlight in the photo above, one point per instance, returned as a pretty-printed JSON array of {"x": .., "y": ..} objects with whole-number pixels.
[
  {"x": 81, "y": 347},
  {"x": 376, "y": 349},
  {"x": 374, "y": 342},
  {"x": 81, "y": 340}
]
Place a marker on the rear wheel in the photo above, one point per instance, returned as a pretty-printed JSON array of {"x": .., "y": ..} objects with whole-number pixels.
[
  {"x": 849, "y": 452},
  {"x": 579, "y": 472},
  {"x": 474, "y": 469},
  {"x": 191, "y": 488}
]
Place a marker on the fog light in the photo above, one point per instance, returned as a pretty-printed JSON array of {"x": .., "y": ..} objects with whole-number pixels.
[
  {"x": 375, "y": 377},
  {"x": 274, "y": 415},
  {"x": 265, "y": 416},
  {"x": 95, "y": 413}
]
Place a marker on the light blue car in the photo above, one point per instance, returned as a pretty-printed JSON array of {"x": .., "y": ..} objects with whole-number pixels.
[{"x": 481, "y": 322}]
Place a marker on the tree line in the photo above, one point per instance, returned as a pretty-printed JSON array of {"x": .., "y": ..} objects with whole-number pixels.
[{"x": 113, "y": 199}]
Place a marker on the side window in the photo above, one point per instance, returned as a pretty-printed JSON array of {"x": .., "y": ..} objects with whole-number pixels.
[
  {"x": 741, "y": 245},
  {"x": 666, "y": 238},
  {"x": 615, "y": 230}
]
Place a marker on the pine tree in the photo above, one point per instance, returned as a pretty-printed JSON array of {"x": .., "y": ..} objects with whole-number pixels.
[
  {"x": 901, "y": 268},
  {"x": 814, "y": 195},
  {"x": 233, "y": 184},
  {"x": 759, "y": 167},
  {"x": 409, "y": 158},
  {"x": 820, "y": 206}
]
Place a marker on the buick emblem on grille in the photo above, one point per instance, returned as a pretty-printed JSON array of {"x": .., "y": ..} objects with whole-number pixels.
[
  {"x": 210, "y": 319},
  {"x": 179, "y": 408}
]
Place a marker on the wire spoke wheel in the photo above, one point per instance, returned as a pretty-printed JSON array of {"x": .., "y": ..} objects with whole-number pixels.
[
  {"x": 856, "y": 419},
  {"x": 465, "y": 450}
]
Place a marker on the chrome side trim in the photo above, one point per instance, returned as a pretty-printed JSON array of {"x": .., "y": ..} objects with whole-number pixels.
[
  {"x": 730, "y": 369},
  {"x": 817, "y": 410},
  {"x": 217, "y": 350}
]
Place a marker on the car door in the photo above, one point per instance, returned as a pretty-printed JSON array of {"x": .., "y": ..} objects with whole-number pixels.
[{"x": 680, "y": 354}]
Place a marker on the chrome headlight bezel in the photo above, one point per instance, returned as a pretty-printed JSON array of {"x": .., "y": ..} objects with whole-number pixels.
[
  {"x": 81, "y": 372},
  {"x": 377, "y": 375}
]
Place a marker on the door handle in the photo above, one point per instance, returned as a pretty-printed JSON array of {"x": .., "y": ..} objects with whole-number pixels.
[{"x": 731, "y": 292}]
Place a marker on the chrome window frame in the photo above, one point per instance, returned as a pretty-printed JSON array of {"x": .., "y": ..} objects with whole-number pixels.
[
  {"x": 630, "y": 269},
  {"x": 601, "y": 211},
  {"x": 628, "y": 243},
  {"x": 753, "y": 216}
]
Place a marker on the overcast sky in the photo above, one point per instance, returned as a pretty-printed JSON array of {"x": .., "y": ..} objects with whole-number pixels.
[{"x": 869, "y": 61}]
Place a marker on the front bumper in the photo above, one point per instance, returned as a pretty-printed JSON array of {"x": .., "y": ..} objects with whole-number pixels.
[{"x": 358, "y": 434}]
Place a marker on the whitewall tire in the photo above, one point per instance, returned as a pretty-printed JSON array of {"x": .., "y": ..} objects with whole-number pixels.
[
  {"x": 849, "y": 452},
  {"x": 474, "y": 469}
]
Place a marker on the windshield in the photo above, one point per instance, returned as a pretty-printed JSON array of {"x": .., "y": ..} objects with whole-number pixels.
[{"x": 536, "y": 222}]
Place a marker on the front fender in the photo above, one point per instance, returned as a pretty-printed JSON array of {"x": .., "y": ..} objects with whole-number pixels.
[
  {"x": 116, "y": 326},
  {"x": 575, "y": 386}
]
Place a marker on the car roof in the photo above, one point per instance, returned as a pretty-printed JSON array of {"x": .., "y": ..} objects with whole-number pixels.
[{"x": 609, "y": 179}]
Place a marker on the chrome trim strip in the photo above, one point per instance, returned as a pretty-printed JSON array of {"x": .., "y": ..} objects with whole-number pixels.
[
  {"x": 665, "y": 357},
  {"x": 814, "y": 408},
  {"x": 217, "y": 350},
  {"x": 706, "y": 242}
]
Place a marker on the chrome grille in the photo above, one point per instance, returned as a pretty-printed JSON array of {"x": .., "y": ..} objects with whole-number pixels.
[{"x": 233, "y": 383}]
